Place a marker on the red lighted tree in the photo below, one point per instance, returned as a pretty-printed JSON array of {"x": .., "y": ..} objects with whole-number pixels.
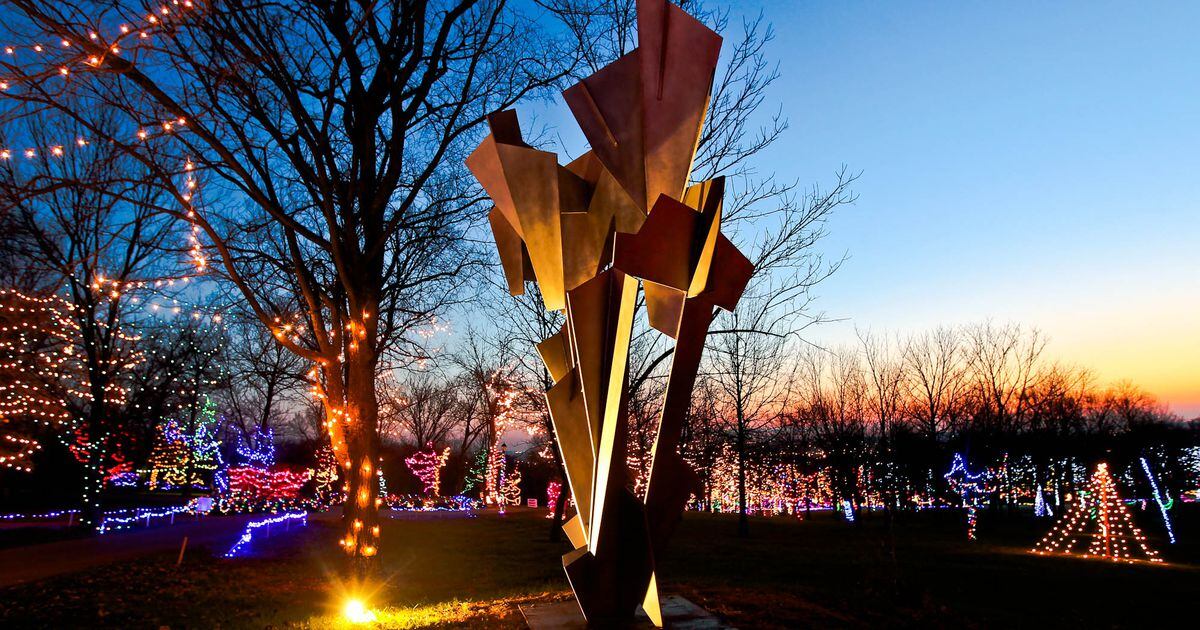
[{"x": 427, "y": 466}]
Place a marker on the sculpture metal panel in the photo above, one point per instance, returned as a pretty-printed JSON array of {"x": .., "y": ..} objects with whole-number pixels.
[{"x": 590, "y": 233}]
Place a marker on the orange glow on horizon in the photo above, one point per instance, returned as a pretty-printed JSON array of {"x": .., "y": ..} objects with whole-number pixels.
[{"x": 1158, "y": 353}]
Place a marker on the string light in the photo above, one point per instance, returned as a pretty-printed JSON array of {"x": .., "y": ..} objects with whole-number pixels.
[
  {"x": 253, "y": 486},
  {"x": 427, "y": 466},
  {"x": 974, "y": 488},
  {"x": 23, "y": 448},
  {"x": 164, "y": 128},
  {"x": 38, "y": 516},
  {"x": 511, "y": 487},
  {"x": 260, "y": 452},
  {"x": 141, "y": 515},
  {"x": 1040, "y": 508},
  {"x": 1098, "y": 514},
  {"x": 247, "y": 537},
  {"x": 135, "y": 29},
  {"x": 1163, "y": 506}
]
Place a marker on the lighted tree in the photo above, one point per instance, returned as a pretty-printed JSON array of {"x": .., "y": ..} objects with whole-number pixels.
[
  {"x": 494, "y": 476},
  {"x": 325, "y": 474},
  {"x": 553, "y": 489},
  {"x": 31, "y": 349},
  {"x": 338, "y": 130},
  {"x": 477, "y": 475},
  {"x": 510, "y": 487},
  {"x": 65, "y": 370},
  {"x": 427, "y": 466},
  {"x": 186, "y": 457},
  {"x": 1098, "y": 520},
  {"x": 92, "y": 238},
  {"x": 503, "y": 416},
  {"x": 169, "y": 461},
  {"x": 974, "y": 490},
  {"x": 203, "y": 443},
  {"x": 259, "y": 450},
  {"x": 1040, "y": 507}
]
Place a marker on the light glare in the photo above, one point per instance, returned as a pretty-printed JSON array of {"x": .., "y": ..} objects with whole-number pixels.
[{"x": 356, "y": 612}]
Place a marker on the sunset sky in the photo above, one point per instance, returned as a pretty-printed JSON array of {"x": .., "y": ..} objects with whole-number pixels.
[
  {"x": 1027, "y": 162},
  {"x": 1023, "y": 162}
]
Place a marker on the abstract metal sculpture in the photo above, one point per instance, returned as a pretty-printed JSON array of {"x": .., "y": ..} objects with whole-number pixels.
[{"x": 587, "y": 233}]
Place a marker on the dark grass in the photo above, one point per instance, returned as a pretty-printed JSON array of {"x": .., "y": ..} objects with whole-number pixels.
[
  {"x": 820, "y": 572},
  {"x": 17, "y": 536},
  {"x": 919, "y": 573}
]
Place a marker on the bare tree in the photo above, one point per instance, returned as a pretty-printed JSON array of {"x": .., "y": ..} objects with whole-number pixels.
[
  {"x": 935, "y": 367},
  {"x": 481, "y": 370},
  {"x": 333, "y": 135},
  {"x": 92, "y": 236},
  {"x": 1003, "y": 364},
  {"x": 263, "y": 379},
  {"x": 835, "y": 408},
  {"x": 935, "y": 363},
  {"x": 1059, "y": 413},
  {"x": 885, "y": 374},
  {"x": 1123, "y": 406},
  {"x": 425, "y": 407},
  {"x": 752, "y": 372}
]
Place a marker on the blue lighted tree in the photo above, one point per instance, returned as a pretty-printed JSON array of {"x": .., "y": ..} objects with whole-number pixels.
[{"x": 973, "y": 488}]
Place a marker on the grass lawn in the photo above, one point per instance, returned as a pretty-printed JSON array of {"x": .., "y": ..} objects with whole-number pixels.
[{"x": 472, "y": 570}]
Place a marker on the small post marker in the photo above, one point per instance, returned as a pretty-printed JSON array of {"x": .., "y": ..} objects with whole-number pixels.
[{"x": 182, "y": 547}]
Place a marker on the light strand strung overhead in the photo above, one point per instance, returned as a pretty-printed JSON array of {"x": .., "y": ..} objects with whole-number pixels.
[{"x": 115, "y": 43}]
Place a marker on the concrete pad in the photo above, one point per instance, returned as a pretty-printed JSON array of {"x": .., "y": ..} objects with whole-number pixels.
[{"x": 678, "y": 614}]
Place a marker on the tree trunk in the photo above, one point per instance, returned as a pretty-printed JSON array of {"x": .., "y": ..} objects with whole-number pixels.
[
  {"x": 190, "y": 470},
  {"x": 360, "y": 513},
  {"x": 743, "y": 520},
  {"x": 91, "y": 511}
]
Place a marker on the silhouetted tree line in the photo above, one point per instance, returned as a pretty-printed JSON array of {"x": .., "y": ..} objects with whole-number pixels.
[{"x": 883, "y": 419}]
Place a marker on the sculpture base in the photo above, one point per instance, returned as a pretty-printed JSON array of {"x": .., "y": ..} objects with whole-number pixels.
[{"x": 678, "y": 614}]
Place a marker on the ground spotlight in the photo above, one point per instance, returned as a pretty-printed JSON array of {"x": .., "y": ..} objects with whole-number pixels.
[{"x": 356, "y": 612}]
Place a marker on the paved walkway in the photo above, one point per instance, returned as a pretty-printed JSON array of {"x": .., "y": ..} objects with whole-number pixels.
[{"x": 40, "y": 561}]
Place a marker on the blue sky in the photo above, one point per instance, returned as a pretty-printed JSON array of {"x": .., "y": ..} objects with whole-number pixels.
[
  {"x": 1023, "y": 162},
  {"x": 1030, "y": 162}
]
